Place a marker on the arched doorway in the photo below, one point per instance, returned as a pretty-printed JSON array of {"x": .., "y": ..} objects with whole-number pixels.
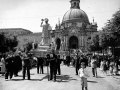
[
  {"x": 73, "y": 42},
  {"x": 58, "y": 42}
]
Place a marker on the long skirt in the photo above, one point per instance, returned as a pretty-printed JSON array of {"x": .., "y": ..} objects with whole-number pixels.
[{"x": 111, "y": 70}]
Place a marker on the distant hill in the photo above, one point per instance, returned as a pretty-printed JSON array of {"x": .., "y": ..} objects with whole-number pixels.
[{"x": 15, "y": 31}]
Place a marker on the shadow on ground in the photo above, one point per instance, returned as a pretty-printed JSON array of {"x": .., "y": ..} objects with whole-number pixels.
[
  {"x": 60, "y": 78},
  {"x": 100, "y": 77},
  {"x": 92, "y": 81}
]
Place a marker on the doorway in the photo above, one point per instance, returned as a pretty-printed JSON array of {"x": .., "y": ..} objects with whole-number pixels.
[
  {"x": 58, "y": 42},
  {"x": 73, "y": 42}
]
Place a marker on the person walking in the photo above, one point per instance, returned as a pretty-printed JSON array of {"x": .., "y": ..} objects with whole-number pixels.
[
  {"x": 68, "y": 60},
  {"x": 77, "y": 64},
  {"x": 17, "y": 64},
  {"x": 105, "y": 67},
  {"x": 112, "y": 64},
  {"x": 83, "y": 74},
  {"x": 40, "y": 65},
  {"x": 53, "y": 66},
  {"x": 9, "y": 67},
  {"x": 94, "y": 66},
  {"x": 3, "y": 65},
  {"x": 58, "y": 65},
  {"x": 101, "y": 65},
  {"x": 26, "y": 66},
  {"x": 115, "y": 69}
]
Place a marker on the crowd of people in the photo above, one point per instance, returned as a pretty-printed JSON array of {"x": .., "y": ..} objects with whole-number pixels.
[{"x": 13, "y": 63}]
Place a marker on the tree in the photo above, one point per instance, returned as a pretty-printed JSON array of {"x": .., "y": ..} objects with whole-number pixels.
[
  {"x": 112, "y": 32},
  {"x": 7, "y": 43},
  {"x": 12, "y": 43},
  {"x": 94, "y": 43},
  {"x": 3, "y": 47},
  {"x": 28, "y": 46}
]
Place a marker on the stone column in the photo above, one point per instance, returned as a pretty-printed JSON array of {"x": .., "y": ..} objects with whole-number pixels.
[
  {"x": 67, "y": 42},
  {"x": 82, "y": 39}
]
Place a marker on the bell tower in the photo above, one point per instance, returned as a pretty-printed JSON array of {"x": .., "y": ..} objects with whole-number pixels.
[{"x": 75, "y": 4}]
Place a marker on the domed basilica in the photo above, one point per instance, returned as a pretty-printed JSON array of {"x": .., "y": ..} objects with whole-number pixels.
[{"x": 75, "y": 29}]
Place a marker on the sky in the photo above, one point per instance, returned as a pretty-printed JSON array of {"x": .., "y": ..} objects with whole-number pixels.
[{"x": 27, "y": 14}]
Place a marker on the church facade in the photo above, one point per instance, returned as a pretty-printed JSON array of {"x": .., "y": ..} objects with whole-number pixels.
[{"x": 75, "y": 29}]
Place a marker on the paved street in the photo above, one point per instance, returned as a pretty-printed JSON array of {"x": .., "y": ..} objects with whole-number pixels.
[{"x": 66, "y": 81}]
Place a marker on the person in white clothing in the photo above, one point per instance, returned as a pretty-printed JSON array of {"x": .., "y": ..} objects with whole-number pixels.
[
  {"x": 82, "y": 72},
  {"x": 3, "y": 66}
]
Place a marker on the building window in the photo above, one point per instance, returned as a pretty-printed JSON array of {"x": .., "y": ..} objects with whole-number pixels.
[{"x": 74, "y": 3}]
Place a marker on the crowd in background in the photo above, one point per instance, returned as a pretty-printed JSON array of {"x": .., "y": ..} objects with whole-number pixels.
[
  {"x": 108, "y": 64},
  {"x": 13, "y": 63}
]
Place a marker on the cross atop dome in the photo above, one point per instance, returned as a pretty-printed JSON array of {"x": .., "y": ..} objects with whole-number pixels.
[{"x": 75, "y": 4}]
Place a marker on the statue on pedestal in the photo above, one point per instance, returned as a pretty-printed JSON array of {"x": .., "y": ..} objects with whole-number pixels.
[{"x": 45, "y": 34}]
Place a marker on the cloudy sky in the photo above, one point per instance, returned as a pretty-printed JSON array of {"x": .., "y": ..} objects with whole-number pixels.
[{"x": 27, "y": 14}]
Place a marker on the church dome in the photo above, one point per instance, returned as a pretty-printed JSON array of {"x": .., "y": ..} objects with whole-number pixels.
[{"x": 75, "y": 15}]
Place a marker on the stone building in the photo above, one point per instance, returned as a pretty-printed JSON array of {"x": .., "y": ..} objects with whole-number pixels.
[
  {"x": 24, "y": 36},
  {"x": 75, "y": 29},
  {"x": 33, "y": 37}
]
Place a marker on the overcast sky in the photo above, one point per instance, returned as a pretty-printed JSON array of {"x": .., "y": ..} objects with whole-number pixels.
[{"x": 27, "y": 14}]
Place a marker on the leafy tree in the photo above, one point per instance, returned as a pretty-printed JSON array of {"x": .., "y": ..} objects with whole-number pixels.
[
  {"x": 112, "y": 32},
  {"x": 7, "y": 43},
  {"x": 12, "y": 43},
  {"x": 28, "y": 46},
  {"x": 94, "y": 43},
  {"x": 3, "y": 47}
]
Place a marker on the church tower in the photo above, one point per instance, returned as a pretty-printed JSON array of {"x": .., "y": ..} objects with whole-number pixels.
[
  {"x": 75, "y": 4},
  {"x": 75, "y": 29}
]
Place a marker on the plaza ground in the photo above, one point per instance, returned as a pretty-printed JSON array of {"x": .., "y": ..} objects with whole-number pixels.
[{"x": 66, "y": 81}]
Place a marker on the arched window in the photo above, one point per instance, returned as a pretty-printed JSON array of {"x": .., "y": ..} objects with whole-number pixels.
[{"x": 74, "y": 3}]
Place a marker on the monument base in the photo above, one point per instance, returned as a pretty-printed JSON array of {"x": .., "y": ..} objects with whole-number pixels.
[{"x": 41, "y": 51}]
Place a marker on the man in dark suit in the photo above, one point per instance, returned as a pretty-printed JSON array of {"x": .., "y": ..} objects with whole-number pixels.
[
  {"x": 9, "y": 67},
  {"x": 26, "y": 66},
  {"x": 53, "y": 66},
  {"x": 40, "y": 65},
  {"x": 17, "y": 64},
  {"x": 77, "y": 64},
  {"x": 58, "y": 64}
]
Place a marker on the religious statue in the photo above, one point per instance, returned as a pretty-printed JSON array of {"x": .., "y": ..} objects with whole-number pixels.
[{"x": 45, "y": 32}]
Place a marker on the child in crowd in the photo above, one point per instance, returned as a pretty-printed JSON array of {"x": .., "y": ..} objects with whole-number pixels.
[
  {"x": 82, "y": 72},
  {"x": 112, "y": 64}
]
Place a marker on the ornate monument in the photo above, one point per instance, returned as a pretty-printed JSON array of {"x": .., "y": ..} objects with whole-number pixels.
[
  {"x": 45, "y": 32},
  {"x": 46, "y": 43}
]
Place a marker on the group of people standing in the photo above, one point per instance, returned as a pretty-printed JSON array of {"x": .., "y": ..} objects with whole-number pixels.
[
  {"x": 22, "y": 61},
  {"x": 16, "y": 62},
  {"x": 12, "y": 64},
  {"x": 53, "y": 61},
  {"x": 110, "y": 65},
  {"x": 107, "y": 64}
]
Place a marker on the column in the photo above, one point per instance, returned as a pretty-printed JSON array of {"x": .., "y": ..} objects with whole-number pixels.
[{"x": 82, "y": 41}]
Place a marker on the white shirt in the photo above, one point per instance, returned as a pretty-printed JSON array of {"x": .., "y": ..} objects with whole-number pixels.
[{"x": 83, "y": 73}]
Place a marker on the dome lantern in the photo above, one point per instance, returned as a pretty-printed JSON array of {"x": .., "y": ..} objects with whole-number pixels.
[
  {"x": 75, "y": 14},
  {"x": 75, "y": 4}
]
